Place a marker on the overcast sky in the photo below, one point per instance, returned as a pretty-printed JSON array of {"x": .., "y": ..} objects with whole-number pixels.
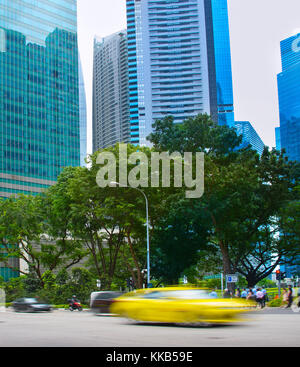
[{"x": 256, "y": 29}]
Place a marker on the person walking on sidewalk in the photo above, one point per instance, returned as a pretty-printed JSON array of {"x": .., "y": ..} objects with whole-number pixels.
[
  {"x": 260, "y": 298},
  {"x": 290, "y": 297}
]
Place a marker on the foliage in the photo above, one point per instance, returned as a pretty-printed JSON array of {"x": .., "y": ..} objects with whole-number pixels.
[
  {"x": 35, "y": 230},
  {"x": 244, "y": 195},
  {"x": 276, "y": 302},
  {"x": 80, "y": 282},
  {"x": 247, "y": 221}
]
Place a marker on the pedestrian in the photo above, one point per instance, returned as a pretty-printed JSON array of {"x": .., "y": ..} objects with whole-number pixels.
[
  {"x": 238, "y": 293},
  {"x": 265, "y": 296},
  {"x": 244, "y": 294},
  {"x": 250, "y": 295},
  {"x": 259, "y": 298},
  {"x": 213, "y": 294},
  {"x": 290, "y": 297},
  {"x": 284, "y": 297}
]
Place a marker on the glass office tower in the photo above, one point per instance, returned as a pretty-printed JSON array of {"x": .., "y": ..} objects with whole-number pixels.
[
  {"x": 179, "y": 62},
  {"x": 289, "y": 97},
  {"x": 277, "y": 138},
  {"x": 83, "y": 117},
  {"x": 39, "y": 93},
  {"x": 249, "y": 135},
  {"x": 222, "y": 51}
]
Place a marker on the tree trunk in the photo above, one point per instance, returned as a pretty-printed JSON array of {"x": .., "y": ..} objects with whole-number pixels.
[{"x": 226, "y": 266}]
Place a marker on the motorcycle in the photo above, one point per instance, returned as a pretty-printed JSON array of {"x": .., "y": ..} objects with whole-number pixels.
[{"x": 75, "y": 306}]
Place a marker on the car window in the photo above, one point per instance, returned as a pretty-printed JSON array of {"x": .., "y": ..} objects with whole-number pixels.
[
  {"x": 153, "y": 295},
  {"x": 103, "y": 296},
  {"x": 30, "y": 300},
  {"x": 188, "y": 294},
  {"x": 107, "y": 295}
]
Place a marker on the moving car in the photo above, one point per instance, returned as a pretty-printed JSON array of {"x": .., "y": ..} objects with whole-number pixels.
[
  {"x": 179, "y": 305},
  {"x": 101, "y": 301},
  {"x": 30, "y": 305}
]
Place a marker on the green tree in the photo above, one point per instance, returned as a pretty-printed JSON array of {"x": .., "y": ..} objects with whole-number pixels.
[
  {"x": 179, "y": 237},
  {"x": 20, "y": 232},
  {"x": 243, "y": 191},
  {"x": 36, "y": 230}
]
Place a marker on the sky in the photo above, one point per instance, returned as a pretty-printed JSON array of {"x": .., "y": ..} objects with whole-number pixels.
[{"x": 256, "y": 29}]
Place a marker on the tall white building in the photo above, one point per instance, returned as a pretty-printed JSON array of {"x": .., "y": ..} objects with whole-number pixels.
[
  {"x": 110, "y": 91},
  {"x": 179, "y": 62}
]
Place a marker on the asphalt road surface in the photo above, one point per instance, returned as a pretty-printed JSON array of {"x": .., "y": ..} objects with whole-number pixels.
[{"x": 62, "y": 328}]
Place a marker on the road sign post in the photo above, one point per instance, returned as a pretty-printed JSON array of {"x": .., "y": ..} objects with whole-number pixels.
[{"x": 231, "y": 279}]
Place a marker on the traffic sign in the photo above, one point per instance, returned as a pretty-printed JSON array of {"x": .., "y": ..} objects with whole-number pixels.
[{"x": 232, "y": 278}]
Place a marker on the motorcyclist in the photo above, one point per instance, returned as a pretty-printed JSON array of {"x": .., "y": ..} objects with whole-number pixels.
[{"x": 73, "y": 300}]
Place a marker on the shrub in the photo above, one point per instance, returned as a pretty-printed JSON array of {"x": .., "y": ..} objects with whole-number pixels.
[{"x": 275, "y": 302}]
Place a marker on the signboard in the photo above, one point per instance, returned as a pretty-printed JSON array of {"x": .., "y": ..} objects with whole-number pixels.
[
  {"x": 232, "y": 278},
  {"x": 213, "y": 276}
]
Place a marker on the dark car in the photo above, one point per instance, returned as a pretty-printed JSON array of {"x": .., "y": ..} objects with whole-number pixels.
[
  {"x": 101, "y": 301},
  {"x": 30, "y": 305}
]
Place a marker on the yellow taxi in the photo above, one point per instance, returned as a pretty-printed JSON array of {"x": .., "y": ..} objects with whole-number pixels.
[{"x": 179, "y": 305}]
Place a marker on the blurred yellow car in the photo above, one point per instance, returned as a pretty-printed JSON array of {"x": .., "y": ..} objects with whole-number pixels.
[{"x": 179, "y": 305}]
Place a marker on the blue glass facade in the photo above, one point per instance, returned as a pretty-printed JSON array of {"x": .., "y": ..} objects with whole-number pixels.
[
  {"x": 222, "y": 52},
  {"x": 178, "y": 62},
  {"x": 278, "y": 138},
  {"x": 250, "y": 136},
  {"x": 39, "y": 94},
  {"x": 83, "y": 117},
  {"x": 289, "y": 97}
]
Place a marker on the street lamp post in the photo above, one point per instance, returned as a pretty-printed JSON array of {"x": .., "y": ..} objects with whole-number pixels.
[{"x": 147, "y": 224}]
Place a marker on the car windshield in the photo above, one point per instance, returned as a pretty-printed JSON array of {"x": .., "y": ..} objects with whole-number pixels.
[
  {"x": 31, "y": 300},
  {"x": 179, "y": 294},
  {"x": 188, "y": 294},
  {"x": 107, "y": 295}
]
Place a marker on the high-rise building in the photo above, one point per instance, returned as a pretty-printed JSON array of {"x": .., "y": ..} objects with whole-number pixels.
[
  {"x": 179, "y": 62},
  {"x": 222, "y": 52},
  {"x": 110, "y": 91},
  {"x": 39, "y": 94},
  {"x": 277, "y": 138},
  {"x": 249, "y": 136},
  {"x": 83, "y": 117},
  {"x": 289, "y": 97}
]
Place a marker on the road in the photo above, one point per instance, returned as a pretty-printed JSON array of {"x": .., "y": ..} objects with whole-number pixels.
[{"x": 62, "y": 328}]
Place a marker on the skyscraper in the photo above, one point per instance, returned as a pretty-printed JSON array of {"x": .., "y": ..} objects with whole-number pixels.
[
  {"x": 222, "y": 52},
  {"x": 39, "y": 94},
  {"x": 277, "y": 138},
  {"x": 249, "y": 135},
  {"x": 110, "y": 91},
  {"x": 179, "y": 62},
  {"x": 289, "y": 97},
  {"x": 83, "y": 117}
]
